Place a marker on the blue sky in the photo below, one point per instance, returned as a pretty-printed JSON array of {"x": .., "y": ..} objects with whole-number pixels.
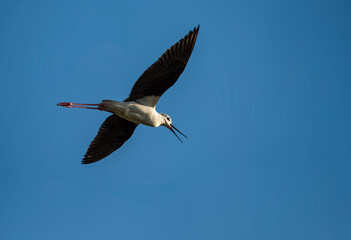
[{"x": 265, "y": 101}]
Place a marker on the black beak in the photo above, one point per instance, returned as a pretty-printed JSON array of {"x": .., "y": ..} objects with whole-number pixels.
[{"x": 177, "y": 131}]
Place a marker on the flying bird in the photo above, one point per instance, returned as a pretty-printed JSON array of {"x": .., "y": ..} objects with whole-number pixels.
[{"x": 140, "y": 106}]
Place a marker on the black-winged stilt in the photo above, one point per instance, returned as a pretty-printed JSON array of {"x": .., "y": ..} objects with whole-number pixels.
[{"x": 140, "y": 106}]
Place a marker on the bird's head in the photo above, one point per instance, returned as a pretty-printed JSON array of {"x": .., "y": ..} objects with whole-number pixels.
[{"x": 167, "y": 122}]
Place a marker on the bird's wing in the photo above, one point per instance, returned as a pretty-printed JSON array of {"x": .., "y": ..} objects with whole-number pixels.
[
  {"x": 113, "y": 133},
  {"x": 164, "y": 72}
]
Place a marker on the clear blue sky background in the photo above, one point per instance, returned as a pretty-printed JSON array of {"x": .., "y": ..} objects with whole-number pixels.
[{"x": 265, "y": 100}]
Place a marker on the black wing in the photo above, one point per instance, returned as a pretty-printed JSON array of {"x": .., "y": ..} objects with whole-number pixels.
[
  {"x": 113, "y": 133},
  {"x": 166, "y": 70}
]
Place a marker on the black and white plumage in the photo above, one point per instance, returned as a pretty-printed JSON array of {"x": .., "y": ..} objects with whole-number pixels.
[{"x": 140, "y": 106}]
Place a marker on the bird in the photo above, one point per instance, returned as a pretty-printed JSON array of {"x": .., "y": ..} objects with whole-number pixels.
[{"x": 140, "y": 106}]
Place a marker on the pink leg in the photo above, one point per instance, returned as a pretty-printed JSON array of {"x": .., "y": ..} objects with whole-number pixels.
[{"x": 81, "y": 105}]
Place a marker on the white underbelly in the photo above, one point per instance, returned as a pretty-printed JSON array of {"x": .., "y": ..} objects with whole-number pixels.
[{"x": 133, "y": 112}]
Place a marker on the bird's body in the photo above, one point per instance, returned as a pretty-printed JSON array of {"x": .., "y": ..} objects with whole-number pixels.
[
  {"x": 134, "y": 112},
  {"x": 140, "y": 106}
]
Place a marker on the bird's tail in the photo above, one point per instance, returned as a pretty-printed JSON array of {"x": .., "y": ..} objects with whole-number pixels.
[{"x": 111, "y": 106}]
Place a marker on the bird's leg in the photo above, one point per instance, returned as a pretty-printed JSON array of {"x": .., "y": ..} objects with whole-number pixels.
[
  {"x": 81, "y": 105},
  {"x": 77, "y": 105}
]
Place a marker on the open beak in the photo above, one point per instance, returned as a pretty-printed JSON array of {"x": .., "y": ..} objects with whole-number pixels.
[{"x": 173, "y": 127}]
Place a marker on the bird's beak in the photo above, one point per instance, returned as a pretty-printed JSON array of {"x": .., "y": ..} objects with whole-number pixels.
[{"x": 171, "y": 127}]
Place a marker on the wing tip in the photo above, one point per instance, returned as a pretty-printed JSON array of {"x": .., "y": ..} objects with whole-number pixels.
[
  {"x": 85, "y": 160},
  {"x": 93, "y": 157},
  {"x": 195, "y": 30}
]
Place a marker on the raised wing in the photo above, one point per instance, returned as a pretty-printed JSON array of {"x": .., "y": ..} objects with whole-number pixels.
[
  {"x": 164, "y": 72},
  {"x": 113, "y": 133}
]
